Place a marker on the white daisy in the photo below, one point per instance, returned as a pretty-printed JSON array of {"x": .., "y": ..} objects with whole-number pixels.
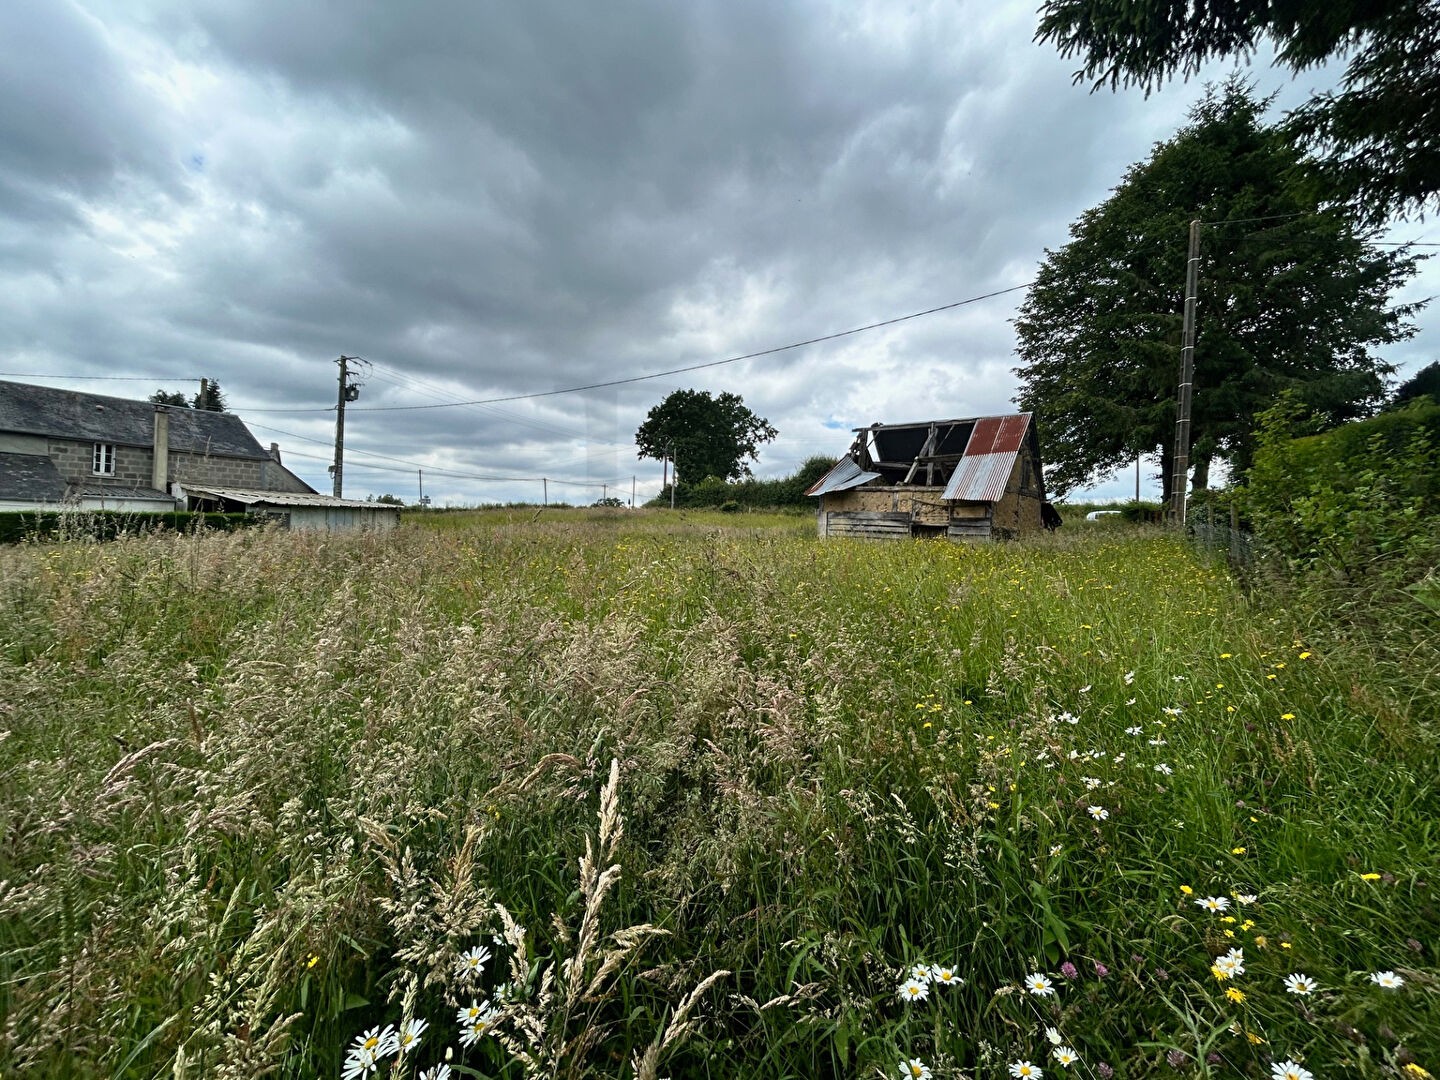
[
  {"x": 922, "y": 973},
  {"x": 1229, "y": 966},
  {"x": 358, "y": 1064},
  {"x": 472, "y": 1012},
  {"x": 1039, "y": 985},
  {"x": 1245, "y": 898},
  {"x": 378, "y": 1042},
  {"x": 1164, "y": 769},
  {"x": 1023, "y": 1070},
  {"x": 408, "y": 1037},
  {"x": 1135, "y": 730},
  {"x": 475, "y": 1030},
  {"x": 945, "y": 976},
  {"x": 436, "y": 1072},
  {"x": 1289, "y": 1070},
  {"x": 1065, "y": 1055},
  {"x": 1213, "y": 903},
  {"x": 1053, "y": 1036},
  {"x": 915, "y": 1069},
  {"x": 913, "y": 990},
  {"x": 472, "y": 961},
  {"x": 1388, "y": 979},
  {"x": 1090, "y": 782},
  {"x": 1300, "y": 984},
  {"x": 1099, "y": 813}
]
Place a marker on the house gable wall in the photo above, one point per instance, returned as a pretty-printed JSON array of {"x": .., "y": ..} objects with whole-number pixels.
[{"x": 133, "y": 465}]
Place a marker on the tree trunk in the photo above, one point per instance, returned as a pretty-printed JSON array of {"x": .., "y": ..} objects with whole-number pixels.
[
  {"x": 1167, "y": 475},
  {"x": 1201, "y": 476}
]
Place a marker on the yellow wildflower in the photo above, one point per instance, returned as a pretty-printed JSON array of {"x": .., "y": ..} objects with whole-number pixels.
[
  {"x": 1235, "y": 994},
  {"x": 1261, "y": 941},
  {"x": 1255, "y": 1040},
  {"x": 1187, "y": 890},
  {"x": 1369, "y": 877},
  {"x": 1237, "y": 851},
  {"x": 1287, "y": 716},
  {"x": 1416, "y": 1071}
]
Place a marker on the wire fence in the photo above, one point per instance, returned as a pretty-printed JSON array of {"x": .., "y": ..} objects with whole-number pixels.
[{"x": 1220, "y": 538}]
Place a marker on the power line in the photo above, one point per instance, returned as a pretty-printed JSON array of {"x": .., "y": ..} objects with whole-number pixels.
[
  {"x": 412, "y": 466},
  {"x": 98, "y": 378},
  {"x": 453, "y": 474},
  {"x": 688, "y": 367}
]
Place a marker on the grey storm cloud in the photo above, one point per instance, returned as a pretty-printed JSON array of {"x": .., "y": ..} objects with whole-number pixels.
[{"x": 495, "y": 199}]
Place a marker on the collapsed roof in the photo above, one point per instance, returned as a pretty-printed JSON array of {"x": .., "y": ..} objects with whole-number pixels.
[{"x": 971, "y": 458}]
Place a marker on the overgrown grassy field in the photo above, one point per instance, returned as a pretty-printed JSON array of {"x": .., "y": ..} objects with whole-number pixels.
[{"x": 706, "y": 790}]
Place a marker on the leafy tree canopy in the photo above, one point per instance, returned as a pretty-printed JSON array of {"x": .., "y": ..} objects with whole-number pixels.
[
  {"x": 1424, "y": 383},
  {"x": 704, "y": 435},
  {"x": 1291, "y": 296},
  {"x": 213, "y": 399},
  {"x": 1378, "y": 135}
]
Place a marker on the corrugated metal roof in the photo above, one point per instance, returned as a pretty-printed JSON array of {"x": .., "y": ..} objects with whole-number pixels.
[
  {"x": 123, "y": 491},
  {"x": 846, "y": 474},
  {"x": 989, "y": 459},
  {"x": 284, "y": 498}
]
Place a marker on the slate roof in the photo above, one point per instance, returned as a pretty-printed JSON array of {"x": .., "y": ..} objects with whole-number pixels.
[
  {"x": 70, "y": 414},
  {"x": 30, "y": 478}
]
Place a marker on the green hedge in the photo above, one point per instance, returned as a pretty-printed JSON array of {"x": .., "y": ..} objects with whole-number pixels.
[
  {"x": 1358, "y": 504},
  {"x": 55, "y": 525}
]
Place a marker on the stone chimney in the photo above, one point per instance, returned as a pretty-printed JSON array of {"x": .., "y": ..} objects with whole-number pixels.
[
  {"x": 275, "y": 453},
  {"x": 160, "y": 472}
]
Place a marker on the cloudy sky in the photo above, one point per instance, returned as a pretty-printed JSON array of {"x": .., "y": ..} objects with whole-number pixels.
[{"x": 487, "y": 200}]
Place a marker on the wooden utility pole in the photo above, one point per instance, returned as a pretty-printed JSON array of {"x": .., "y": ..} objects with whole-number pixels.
[
  {"x": 1181, "y": 474},
  {"x": 348, "y": 392}
]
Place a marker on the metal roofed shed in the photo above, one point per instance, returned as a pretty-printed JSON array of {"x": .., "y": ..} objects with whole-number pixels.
[
  {"x": 970, "y": 478},
  {"x": 300, "y": 512}
]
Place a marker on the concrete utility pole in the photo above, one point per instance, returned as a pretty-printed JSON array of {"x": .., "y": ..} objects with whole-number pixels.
[
  {"x": 1187, "y": 379},
  {"x": 674, "y": 476},
  {"x": 348, "y": 392}
]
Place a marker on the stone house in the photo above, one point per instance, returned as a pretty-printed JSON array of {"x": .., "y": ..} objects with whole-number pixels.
[{"x": 67, "y": 449}]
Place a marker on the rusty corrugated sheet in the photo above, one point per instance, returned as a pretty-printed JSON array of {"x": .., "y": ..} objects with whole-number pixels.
[
  {"x": 989, "y": 459},
  {"x": 846, "y": 474}
]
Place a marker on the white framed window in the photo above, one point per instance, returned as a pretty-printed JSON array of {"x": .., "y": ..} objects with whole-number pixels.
[{"x": 102, "y": 461}]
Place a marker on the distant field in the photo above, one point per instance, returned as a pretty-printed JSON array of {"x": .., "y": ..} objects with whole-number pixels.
[{"x": 263, "y": 793}]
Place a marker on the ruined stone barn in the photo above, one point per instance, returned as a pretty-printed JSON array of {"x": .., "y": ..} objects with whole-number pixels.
[{"x": 972, "y": 479}]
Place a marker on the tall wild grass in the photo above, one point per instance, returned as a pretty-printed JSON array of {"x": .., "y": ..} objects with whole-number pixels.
[{"x": 630, "y": 795}]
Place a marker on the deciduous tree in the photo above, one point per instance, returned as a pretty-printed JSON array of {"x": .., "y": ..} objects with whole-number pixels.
[
  {"x": 1377, "y": 136},
  {"x": 1291, "y": 296},
  {"x": 704, "y": 435}
]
